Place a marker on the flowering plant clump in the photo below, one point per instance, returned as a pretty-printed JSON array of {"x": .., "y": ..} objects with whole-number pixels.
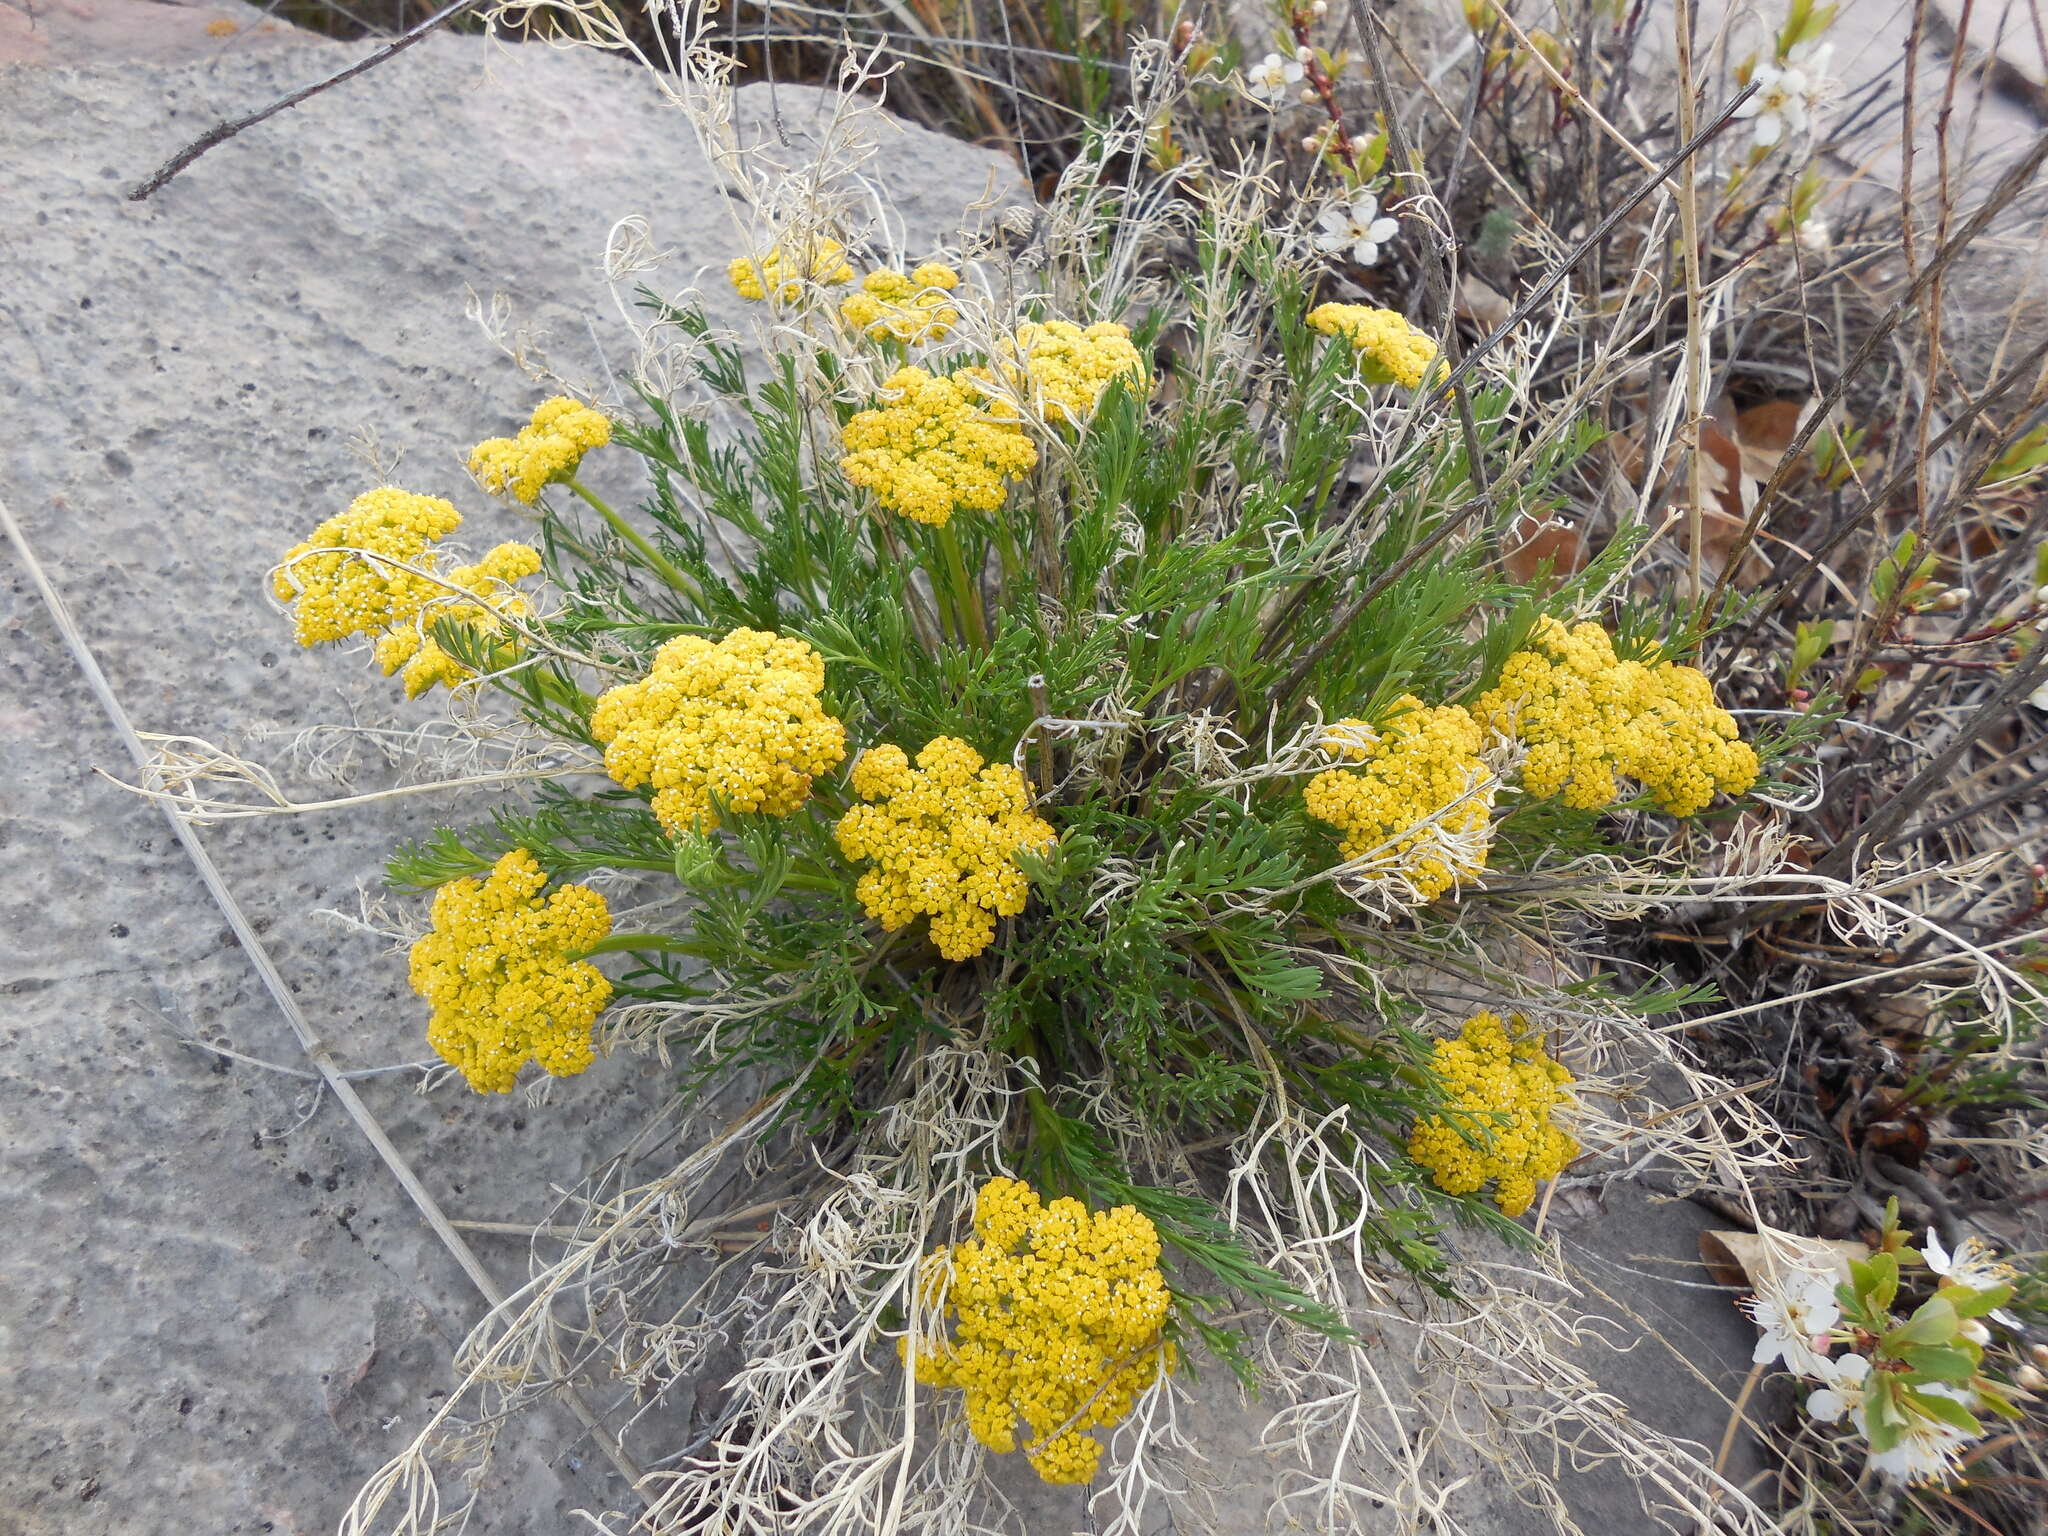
[
  {"x": 911, "y": 307},
  {"x": 1056, "y": 1315},
  {"x": 736, "y": 724},
  {"x": 783, "y": 273},
  {"x": 500, "y": 972},
  {"x": 1390, "y": 350},
  {"x": 1911, "y": 1389},
  {"x": 943, "y": 838},
  {"x": 1590, "y": 718},
  {"x": 1500, "y": 1092},
  {"x": 931, "y": 450},
  {"x": 548, "y": 448},
  {"x": 963, "y": 729},
  {"x": 1422, "y": 776}
]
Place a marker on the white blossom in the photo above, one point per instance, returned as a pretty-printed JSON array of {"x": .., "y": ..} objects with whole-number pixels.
[
  {"x": 1929, "y": 1450},
  {"x": 1975, "y": 1263},
  {"x": 1785, "y": 99},
  {"x": 1356, "y": 225},
  {"x": 1843, "y": 1394},
  {"x": 1270, "y": 78},
  {"x": 1796, "y": 1312}
]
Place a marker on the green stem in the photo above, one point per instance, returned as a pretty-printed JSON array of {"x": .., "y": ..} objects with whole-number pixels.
[
  {"x": 623, "y": 943},
  {"x": 659, "y": 563},
  {"x": 966, "y": 592}
]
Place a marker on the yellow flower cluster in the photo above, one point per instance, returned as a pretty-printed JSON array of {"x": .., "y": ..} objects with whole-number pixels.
[
  {"x": 1390, "y": 350},
  {"x": 1424, "y": 761},
  {"x": 736, "y": 723},
  {"x": 1589, "y": 717},
  {"x": 1062, "y": 369},
  {"x": 548, "y": 448},
  {"x": 910, "y": 307},
  {"x": 942, "y": 837},
  {"x": 411, "y": 645},
  {"x": 1056, "y": 1315},
  {"x": 931, "y": 450},
  {"x": 499, "y": 972},
  {"x": 395, "y": 588},
  {"x": 784, "y": 272},
  {"x": 1504, "y": 1090}
]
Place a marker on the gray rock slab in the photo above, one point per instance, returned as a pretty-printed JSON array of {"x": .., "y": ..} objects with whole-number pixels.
[{"x": 211, "y": 1321}]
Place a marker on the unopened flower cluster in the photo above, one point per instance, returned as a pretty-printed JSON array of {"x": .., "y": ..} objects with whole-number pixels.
[
  {"x": 735, "y": 723},
  {"x": 1501, "y": 1090},
  {"x": 1390, "y": 350},
  {"x": 1062, "y": 369},
  {"x": 931, "y": 450},
  {"x": 548, "y": 448},
  {"x": 1056, "y": 1314},
  {"x": 783, "y": 272},
  {"x": 912, "y": 307},
  {"x": 1420, "y": 800},
  {"x": 373, "y": 571},
  {"x": 497, "y": 969},
  {"x": 1590, "y": 718},
  {"x": 943, "y": 839}
]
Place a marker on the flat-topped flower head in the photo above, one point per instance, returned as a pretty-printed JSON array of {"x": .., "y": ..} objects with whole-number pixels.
[
  {"x": 1055, "y": 1316},
  {"x": 411, "y": 645},
  {"x": 348, "y": 577},
  {"x": 1590, "y": 718},
  {"x": 1061, "y": 370},
  {"x": 783, "y": 269},
  {"x": 548, "y": 448},
  {"x": 942, "y": 838},
  {"x": 1501, "y": 1090},
  {"x": 735, "y": 723},
  {"x": 499, "y": 972},
  {"x": 1390, "y": 350},
  {"x": 930, "y": 450},
  {"x": 912, "y": 307},
  {"x": 1420, "y": 797}
]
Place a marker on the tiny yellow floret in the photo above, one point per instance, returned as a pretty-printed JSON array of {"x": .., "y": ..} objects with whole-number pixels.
[
  {"x": 734, "y": 723},
  {"x": 910, "y": 307},
  {"x": 1590, "y": 718},
  {"x": 942, "y": 838},
  {"x": 930, "y": 450},
  {"x": 1421, "y": 795},
  {"x": 497, "y": 969},
  {"x": 1501, "y": 1090},
  {"x": 783, "y": 272},
  {"x": 1056, "y": 1315},
  {"x": 1390, "y": 350},
  {"x": 548, "y": 448}
]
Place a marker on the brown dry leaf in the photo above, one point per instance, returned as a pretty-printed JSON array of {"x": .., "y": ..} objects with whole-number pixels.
[
  {"x": 1529, "y": 545},
  {"x": 1730, "y": 494},
  {"x": 1763, "y": 433},
  {"x": 1483, "y": 304},
  {"x": 1747, "y": 1258}
]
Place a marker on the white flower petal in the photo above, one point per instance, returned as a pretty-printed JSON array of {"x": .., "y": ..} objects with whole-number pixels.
[
  {"x": 1365, "y": 253},
  {"x": 1382, "y": 230},
  {"x": 1826, "y": 1405},
  {"x": 1769, "y": 129}
]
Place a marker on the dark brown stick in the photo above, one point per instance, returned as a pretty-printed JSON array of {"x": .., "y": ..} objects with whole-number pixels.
[{"x": 220, "y": 133}]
